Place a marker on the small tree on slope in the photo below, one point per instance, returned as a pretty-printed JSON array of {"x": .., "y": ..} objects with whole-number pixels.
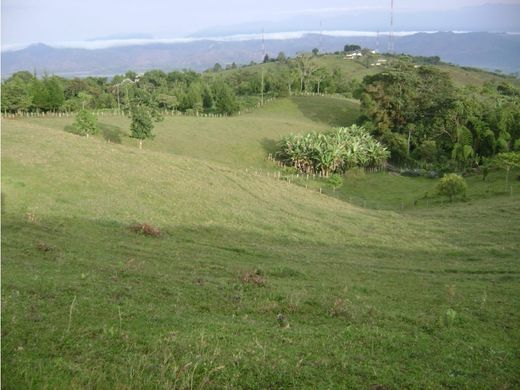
[
  {"x": 143, "y": 111},
  {"x": 507, "y": 161},
  {"x": 86, "y": 123},
  {"x": 142, "y": 124},
  {"x": 452, "y": 185}
]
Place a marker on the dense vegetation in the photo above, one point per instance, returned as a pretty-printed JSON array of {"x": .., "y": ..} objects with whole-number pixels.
[
  {"x": 419, "y": 114},
  {"x": 333, "y": 151}
]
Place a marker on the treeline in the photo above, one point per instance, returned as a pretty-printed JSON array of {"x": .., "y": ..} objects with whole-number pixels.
[
  {"x": 424, "y": 119},
  {"x": 218, "y": 90},
  {"x": 183, "y": 91}
]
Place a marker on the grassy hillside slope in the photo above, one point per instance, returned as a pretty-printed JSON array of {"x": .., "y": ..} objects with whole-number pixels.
[
  {"x": 253, "y": 282},
  {"x": 359, "y": 68},
  {"x": 239, "y": 141}
]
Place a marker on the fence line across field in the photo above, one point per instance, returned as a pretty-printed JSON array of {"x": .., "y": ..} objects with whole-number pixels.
[
  {"x": 120, "y": 113},
  {"x": 304, "y": 180},
  {"x": 189, "y": 113}
]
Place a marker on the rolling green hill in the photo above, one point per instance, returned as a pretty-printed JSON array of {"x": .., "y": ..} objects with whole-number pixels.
[
  {"x": 253, "y": 282},
  {"x": 359, "y": 68}
]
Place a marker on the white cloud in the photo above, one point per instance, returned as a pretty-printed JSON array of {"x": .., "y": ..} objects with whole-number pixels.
[{"x": 105, "y": 44}]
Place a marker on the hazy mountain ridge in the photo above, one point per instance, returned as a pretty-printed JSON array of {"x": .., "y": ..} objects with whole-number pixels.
[
  {"x": 484, "y": 50},
  {"x": 488, "y": 17}
]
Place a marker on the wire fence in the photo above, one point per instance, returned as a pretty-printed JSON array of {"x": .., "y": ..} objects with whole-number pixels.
[
  {"x": 121, "y": 113},
  {"x": 187, "y": 113},
  {"x": 319, "y": 184}
]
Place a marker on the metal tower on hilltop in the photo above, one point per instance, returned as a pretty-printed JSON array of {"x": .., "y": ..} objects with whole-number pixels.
[
  {"x": 321, "y": 38},
  {"x": 263, "y": 46},
  {"x": 391, "y": 33},
  {"x": 263, "y": 59}
]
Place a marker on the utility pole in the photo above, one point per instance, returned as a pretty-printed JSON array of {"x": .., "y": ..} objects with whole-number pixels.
[{"x": 118, "y": 100}]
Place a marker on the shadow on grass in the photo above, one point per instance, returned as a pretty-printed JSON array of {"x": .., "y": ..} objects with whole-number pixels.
[
  {"x": 71, "y": 129},
  {"x": 111, "y": 133},
  {"x": 334, "y": 112},
  {"x": 269, "y": 145}
]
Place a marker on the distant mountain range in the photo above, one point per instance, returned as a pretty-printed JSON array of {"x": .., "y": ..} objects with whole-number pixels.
[
  {"x": 493, "y": 51},
  {"x": 482, "y": 18}
]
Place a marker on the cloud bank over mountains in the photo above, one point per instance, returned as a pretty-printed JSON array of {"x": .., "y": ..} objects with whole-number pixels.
[{"x": 110, "y": 43}]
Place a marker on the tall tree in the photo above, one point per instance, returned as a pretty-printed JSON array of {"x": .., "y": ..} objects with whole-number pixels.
[
  {"x": 306, "y": 68},
  {"x": 143, "y": 111},
  {"x": 16, "y": 92},
  {"x": 225, "y": 100}
]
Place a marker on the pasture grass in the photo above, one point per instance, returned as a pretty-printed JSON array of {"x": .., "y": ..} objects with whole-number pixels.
[
  {"x": 390, "y": 191},
  {"x": 251, "y": 282},
  {"x": 240, "y": 141}
]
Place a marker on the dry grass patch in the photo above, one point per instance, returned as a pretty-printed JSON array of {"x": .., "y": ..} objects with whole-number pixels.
[{"x": 145, "y": 229}]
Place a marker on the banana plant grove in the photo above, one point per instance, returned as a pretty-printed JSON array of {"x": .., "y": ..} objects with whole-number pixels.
[{"x": 333, "y": 151}]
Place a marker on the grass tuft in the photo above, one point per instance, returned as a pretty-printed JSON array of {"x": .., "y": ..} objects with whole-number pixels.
[
  {"x": 145, "y": 229},
  {"x": 255, "y": 277}
]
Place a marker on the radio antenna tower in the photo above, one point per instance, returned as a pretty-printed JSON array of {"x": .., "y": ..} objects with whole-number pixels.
[
  {"x": 321, "y": 38},
  {"x": 263, "y": 46},
  {"x": 391, "y": 34},
  {"x": 263, "y": 60}
]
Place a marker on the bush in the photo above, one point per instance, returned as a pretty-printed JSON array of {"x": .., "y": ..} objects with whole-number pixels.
[
  {"x": 452, "y": 185},
  {"x": 335, "y": 180},
  {"x": 85, "y": 123}
]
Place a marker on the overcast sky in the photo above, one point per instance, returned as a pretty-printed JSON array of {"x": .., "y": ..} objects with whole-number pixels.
[{"x": 28, "y": 21}]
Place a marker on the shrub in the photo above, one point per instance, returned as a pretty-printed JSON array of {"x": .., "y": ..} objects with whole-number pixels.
[
  {"x": 452, "y": 185},
  {"x": 86, "y": 123},
  {"x": 335, "y": 180}
]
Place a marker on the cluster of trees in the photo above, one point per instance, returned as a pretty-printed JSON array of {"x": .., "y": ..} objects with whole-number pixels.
[
  {"x": 333, "y": 151},
  {"x": 179, "y": 90},
  {"x": 213, "y": 91},
  {"x": 288, "y": 76},
  {"x": 422, "y": 116}
]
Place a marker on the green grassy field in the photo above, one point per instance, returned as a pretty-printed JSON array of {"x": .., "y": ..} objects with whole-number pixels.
[
  {"x": 391, "y": 191},
  {"x": 253, "y": 282}
]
